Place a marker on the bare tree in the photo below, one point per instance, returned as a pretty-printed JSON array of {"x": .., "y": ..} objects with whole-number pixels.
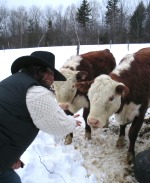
[
  {"x": 4, "y": 31},
  {"x": 73, "y": 25},
  {"x": 47, "y": 26},
  {"x": 59, "y": 25},
  {"x": 96, "y": 29},
  {"x": 18, "y": 26}
]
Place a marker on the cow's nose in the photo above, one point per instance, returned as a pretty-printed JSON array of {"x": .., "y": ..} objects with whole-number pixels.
[
  {"x": 64, "y": 106},
  {"x": 93, "y": 122}
]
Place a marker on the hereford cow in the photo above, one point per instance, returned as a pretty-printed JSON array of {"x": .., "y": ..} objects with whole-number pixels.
[
  {"x": 80, "y": 68},
  {"x": 125, "y": 92}
]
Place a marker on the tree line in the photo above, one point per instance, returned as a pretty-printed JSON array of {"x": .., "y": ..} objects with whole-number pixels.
[{"x": 93, "y": 22}]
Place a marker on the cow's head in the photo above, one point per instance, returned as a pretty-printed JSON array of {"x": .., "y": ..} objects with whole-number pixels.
[
  {"x": 66, "y": 90},
  {"x": 105, "y": 99}
]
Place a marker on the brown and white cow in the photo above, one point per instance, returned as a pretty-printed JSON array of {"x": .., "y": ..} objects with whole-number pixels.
[
  {"x": 125, "y": 92},
  {"x": 77, "y": 69}
]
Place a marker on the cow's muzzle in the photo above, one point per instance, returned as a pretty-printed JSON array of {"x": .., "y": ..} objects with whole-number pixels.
[
  {"x": 64, "y": 106},
  {"x": 94, "y": 123}
]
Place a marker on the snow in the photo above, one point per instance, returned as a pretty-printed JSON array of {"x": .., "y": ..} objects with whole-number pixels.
[{"x": 48, "y": 160}]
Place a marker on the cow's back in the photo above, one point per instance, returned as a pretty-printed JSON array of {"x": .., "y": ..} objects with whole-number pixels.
[
  {"x": 94, "y": 63},
  {"x": 136, "y": 76},
  {"x": 97, "y": 62},
  {"x": 143, "y": 56}
]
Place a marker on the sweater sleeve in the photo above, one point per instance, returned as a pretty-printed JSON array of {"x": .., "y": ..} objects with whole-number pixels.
[{"x": 46, "y": 113}]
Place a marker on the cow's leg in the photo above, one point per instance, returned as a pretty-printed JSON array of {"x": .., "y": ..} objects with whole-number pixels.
[
  {"x": 121, "y": 139},
  {"x": 87, "y": 127},
  {"x": 69, "y": 137},
  {"x": 133, "y": 133}
]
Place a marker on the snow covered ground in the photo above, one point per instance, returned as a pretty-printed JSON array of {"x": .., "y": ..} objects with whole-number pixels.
[{"x": 48, "y": 160}]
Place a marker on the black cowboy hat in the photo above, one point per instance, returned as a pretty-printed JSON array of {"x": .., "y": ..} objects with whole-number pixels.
[{"x": 38, "y": 58}]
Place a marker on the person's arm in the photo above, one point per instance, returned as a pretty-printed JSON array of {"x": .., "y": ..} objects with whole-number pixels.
[{"x": 46, "y": 113}]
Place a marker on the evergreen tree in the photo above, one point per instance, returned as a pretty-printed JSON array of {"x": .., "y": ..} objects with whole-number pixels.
[
  {"x": 34, "y": 33},
  {"x": 30, "y": 33},
  {"x": 137, "y": 23},
  {"x": 147, "y": 25},
  {"x": 48, "y": 38},
  {"x": 112, "y": 16},
  {"x": 83, "y": 15}
]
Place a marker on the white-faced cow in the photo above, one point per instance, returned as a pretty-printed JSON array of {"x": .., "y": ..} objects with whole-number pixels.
[
  {"x": 125, "y": 92},
  {"x": 77, "y": 69}
]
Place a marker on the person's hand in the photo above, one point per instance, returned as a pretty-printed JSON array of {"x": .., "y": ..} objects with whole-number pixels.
[
  {"x": 78, "y": 123},
  {"x": 18, "y": 164}
]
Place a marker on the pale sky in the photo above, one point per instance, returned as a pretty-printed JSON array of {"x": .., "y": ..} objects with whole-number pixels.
[
  {"x": 41, "y": 3},
  {"x": 55, "y": 3}
]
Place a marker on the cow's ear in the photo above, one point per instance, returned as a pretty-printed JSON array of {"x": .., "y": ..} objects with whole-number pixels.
[
  {"x": 122, "y": 90},
  {"x": 84, "y": 86},
  {"x": 81, "y": 75}
]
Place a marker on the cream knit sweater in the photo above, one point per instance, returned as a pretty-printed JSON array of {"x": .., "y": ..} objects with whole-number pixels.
[{"x": 46, "y": 113}]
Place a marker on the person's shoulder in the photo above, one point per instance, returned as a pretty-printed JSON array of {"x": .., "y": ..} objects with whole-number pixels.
[
  {"x": 36, "y": 92},
  {"x": 38, "y": 89}
]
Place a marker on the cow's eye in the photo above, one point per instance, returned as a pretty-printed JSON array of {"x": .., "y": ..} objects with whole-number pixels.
[{"x": 111, "y": 98}]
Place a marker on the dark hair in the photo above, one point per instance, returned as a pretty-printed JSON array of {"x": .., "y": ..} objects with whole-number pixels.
[{"x": 37, "y": 72}]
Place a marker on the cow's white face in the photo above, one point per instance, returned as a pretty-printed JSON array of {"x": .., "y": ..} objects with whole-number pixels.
[
  {"x": 105, "y": 99},
  {"x": 66, "y": 90}
]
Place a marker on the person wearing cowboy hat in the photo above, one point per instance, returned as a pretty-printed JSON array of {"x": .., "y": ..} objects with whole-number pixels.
[{"x": 27, "y": 105}]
